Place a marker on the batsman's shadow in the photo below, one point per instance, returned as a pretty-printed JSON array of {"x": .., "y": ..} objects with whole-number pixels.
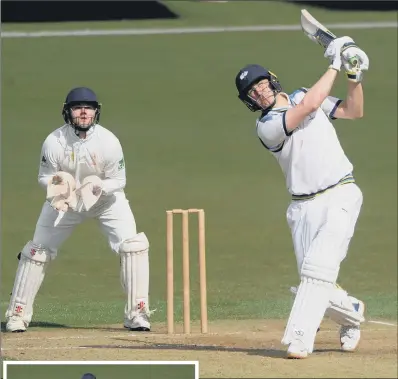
[{"x": 265, "y": 352}]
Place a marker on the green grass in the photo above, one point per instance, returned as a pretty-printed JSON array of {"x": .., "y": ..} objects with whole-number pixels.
[
  {"x": 189, "y": 142},
  {"x": 235, "y": 13},
  {"x": 64, "y": 371}
]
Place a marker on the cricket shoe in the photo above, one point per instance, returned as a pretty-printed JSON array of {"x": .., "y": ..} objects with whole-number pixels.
[
  {"x": 15, "y": 324},
  {"x": 297, "y": 350},
  {"x": 140, "y": 320},
  {"x": 351, "y": 335}
]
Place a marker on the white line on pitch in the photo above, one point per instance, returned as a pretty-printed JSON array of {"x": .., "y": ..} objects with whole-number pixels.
[
  {"x": 382, "y": 323},
  {"x": 194, "y": 30}
]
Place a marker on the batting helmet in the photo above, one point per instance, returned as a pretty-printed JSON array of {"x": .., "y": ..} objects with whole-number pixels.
[
  {"x": 250, "y": 75},
  {"x": 80, "y": 96},
  {"x": 89, "y": 376}
]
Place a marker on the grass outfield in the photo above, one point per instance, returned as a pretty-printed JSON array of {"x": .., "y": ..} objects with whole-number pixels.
[
  {"x": 63, "y": 371},
  {"x": 189, "y": 142}
]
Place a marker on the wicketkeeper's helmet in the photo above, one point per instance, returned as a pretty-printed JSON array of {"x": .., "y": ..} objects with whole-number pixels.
[
  {"x": 250, "y": 75},
  {"x": 81, "y": 96},
  {"x": 89, "y": 376}
]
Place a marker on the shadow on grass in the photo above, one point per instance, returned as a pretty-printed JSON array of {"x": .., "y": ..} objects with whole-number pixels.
[
  {"x": 52, "y": 325},
  {"x": 271, "y": 353},
  {"x": 262, "y": 352}
]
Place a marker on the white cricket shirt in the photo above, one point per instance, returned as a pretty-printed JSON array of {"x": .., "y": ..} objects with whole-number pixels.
[
  {"x": 100, "y": 154},
  {"x": 311, "y": 156}
]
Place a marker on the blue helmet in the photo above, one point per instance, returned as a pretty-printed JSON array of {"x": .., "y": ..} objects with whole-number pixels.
[
  {"x": 89, "y": 376},
  {"x": 250, "y": 75},
  {"x": 80, "y": 96}
]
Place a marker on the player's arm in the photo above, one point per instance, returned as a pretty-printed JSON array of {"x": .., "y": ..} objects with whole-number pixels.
[
  {"x": 48, "y": 163},
  {"x": 271, "y": 131},
  {"x": 115, "y": 170},
  {"x": 311, "y": 101},
  {"x": 355, "y": 62},
  {"x": 352, "y": 106}
]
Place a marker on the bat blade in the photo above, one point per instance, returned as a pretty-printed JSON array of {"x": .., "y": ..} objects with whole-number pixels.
[{"x": 314, "y": 30}]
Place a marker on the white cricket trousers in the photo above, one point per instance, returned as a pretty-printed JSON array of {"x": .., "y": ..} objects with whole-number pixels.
[
  {"x": 329, "y": 218},
  {"x": 115, "y": 218}
]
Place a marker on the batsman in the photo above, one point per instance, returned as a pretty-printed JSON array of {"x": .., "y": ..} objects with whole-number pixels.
[
  {"x": 82, "y": 170},
  {"x": 325, "y": 203}
]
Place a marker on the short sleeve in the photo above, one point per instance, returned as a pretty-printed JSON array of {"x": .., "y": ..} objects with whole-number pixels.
[
  {"x": 330, "y": 105},
  {"x": 272, "y": 131}
]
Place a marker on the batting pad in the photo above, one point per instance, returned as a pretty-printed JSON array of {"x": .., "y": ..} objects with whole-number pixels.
[
  {"x": 28, "y": 279},
  {"x": 134, "y": 273},
  {"x": 341, "y": 309},
  {"x": 307, "y": 312}
]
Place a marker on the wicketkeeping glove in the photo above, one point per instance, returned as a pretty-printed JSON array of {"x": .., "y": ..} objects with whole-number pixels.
[
  {"x": 333, "y": 51},
  {"x": 90, "y": 191}
]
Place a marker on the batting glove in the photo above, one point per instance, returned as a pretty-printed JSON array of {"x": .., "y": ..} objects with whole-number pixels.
[
  {"x": 333, "y": 51},
  {"x": 355, "y": 61}
]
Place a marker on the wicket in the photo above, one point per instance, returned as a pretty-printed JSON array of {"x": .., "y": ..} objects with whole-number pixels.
[{"x": 185, "y": 273}]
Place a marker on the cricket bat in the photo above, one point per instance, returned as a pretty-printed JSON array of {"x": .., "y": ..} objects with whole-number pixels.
[
  {"x": 318, "y": 33},
  {"x": 314, "y": 30}
]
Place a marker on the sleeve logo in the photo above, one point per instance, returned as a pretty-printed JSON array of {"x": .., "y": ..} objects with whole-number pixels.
[{"x": 121, "y": 164}]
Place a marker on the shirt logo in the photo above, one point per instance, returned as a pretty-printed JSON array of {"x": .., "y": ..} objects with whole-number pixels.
[
  {"x": 243, "y": 75},
  {"x": 121, "y": 164},
  {"x": 43, "y": 161}
]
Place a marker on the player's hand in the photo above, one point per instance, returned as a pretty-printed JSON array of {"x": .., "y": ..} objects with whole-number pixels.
[
  {"x": 60, "y": 205},
  {"x": 333, "y": 51},
  {"x": 57, "y": 180},
  {"x": 60, "y": 185},
  {"x": 96, "y": 189},
  {"x": 354, "y": 56},
  {"x": 90, "y": 191},
  {"x": 355, "y": 61}
]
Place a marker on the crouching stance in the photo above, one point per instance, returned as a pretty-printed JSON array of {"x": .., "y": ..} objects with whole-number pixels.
[
  {"x": 296, "y": 128},
  {"x": 82, "y": 169}
]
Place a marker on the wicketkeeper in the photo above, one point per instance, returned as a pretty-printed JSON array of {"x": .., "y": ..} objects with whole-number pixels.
[
  {"x": 82, "y": 170},
  {"x": 326, "y": 202}
]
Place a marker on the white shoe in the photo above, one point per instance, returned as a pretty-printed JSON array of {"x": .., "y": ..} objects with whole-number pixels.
[
  {"x": 140, "y": 321},
  {"x": 15, "y": 324},
  {"x": 351, "y": 335},
  {"x": 297, "y": 350}
]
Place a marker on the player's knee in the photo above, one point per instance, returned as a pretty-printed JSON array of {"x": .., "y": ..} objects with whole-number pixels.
[
  {"x": 36, "y": 253},
  {"x": 137, "y": 245},
  {"x": 321, "y": 267}
]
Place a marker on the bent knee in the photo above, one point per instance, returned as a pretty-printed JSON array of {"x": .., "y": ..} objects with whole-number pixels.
[
  {"x": 136, "y": 245},
  {"x": 37, "y": 253},
  {"x": 321, "y": 268}
]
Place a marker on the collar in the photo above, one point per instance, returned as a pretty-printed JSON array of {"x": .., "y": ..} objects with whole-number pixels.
[
  {"x": 89, "y": 133},
  {"x": 285, "y": 107}
]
